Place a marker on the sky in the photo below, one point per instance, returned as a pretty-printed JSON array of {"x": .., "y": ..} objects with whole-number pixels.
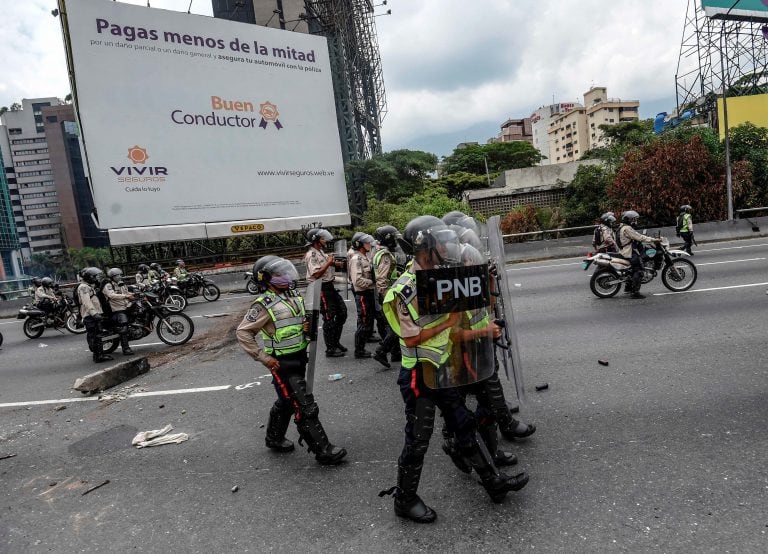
[{"x": 453, "y": 70}]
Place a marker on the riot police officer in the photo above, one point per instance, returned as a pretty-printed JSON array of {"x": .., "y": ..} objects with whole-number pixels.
[
  {"x": 629, "y": 241},
  {"x": 278, "y": 316},
  {"x": 180, "y": 272},
  {"x": 361, "y": 276},
  {"x": 91, "y": 311},
  {"x": 119, "y": 298},
  {"x": 142, "y": 277},
  {"x": 433, "y": 348},
  {"x": 322, "y": 266},
  {"x": 45, "y": 296},
  {"x": 385, "y": 273}
]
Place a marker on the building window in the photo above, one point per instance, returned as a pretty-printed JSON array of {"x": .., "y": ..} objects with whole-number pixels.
[
  {"x": 14, "y": 131},
  {"x": 610, "y": 121}
]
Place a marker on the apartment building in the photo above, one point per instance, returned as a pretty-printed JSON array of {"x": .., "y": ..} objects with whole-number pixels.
[
  {"x": 30, "y": 178},
  {"x": 516, "y": 130},
  {"x": 574, "y": 132},
  {"x": 540, "y": 121},
  {"x": 10, "y": 254}
]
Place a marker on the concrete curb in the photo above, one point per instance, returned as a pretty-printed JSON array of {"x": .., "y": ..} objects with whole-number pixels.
[{"x": 111, "y": 376}]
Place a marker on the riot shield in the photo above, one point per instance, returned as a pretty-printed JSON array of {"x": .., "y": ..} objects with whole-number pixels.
[
  {"x": 502, "y": 307},
  {"x": 340, "y": 255},
  {"x": 455, "y": 297},
  {"x": 312, "y": 317}
]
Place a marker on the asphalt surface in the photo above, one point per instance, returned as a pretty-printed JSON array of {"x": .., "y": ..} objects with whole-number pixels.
[{"x": 662, "y": 450}]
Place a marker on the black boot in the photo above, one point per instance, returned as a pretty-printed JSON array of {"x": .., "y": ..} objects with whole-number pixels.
[
  {"x": 276, "y": 428},
  {"x": 490, "y": 436},
  {"x": 408, "y": 505},
  {"x": 495, "y": 483},
  {"x": 312, "y": 432},
  {"x": 451, "y": 447},
  {"x": 381, "y": 357},
  {"x": 126, "y": 347},
  {"x": 513, "y": 429},
  {"x": 98, "y": 352}
]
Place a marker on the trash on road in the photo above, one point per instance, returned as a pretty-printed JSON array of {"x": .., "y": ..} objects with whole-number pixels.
[
  {"x": 96, "y": 487},
  {"x": 158, "y": 437},
  {"x": 42, "y": 345},
  {"x": 602, "y": 362},
  {"x": 543, "y": 386},
  {"x": 235, "y": 488},
  {"x": 335, "y": 377},
  {"x": 59, "y": 408},
  {"x": 6, "y": 456},
  {"x": 518, "y": 285},
  {"x": 215, "y": 315}
]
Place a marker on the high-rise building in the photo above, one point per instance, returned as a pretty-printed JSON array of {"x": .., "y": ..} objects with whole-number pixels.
[
  {"x": 540, "y": 120},
  {"x": 72, "y": 188},
  {"x": 516, "y": 130},
  {"x": 33, "y": 194},
  {"x": 10, "y": 256},
  {"x": 574, "y": 132}
]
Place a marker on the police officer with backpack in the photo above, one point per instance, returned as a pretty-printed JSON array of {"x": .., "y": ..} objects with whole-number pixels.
[
  {"x": 91, "y": 310},
  {"x": 629, "y": 240},
  {"x": 604, "y": 239},
  {"x": 684, "y": 227}
]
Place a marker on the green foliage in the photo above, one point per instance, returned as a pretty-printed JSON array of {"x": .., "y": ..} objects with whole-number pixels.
[
  {"x": 685, "y": 134},
  {"x": 395, "y": 175},
  {"x": 749, "y": 143},
  {"x": 456, "y": 184},
  {"x": 432, "y": 201},
  {"x": 500, "y": 156},
  {"x": 621, "y": 138},
  {"x": 88, "y": 256},
  {"x": 520, "y": 220},
  {"x": 585, "y": 196},
  {"x": 657, "y": 179},
  {"x": 41, "y": 265}
]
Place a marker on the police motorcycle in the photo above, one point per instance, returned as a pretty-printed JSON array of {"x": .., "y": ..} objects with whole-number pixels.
[
  {"x": 169, "y": 294},
  {"x": 63, "y": 314},
  {"x": 677, "y": 272},
  {"x": 145, "y": 314},
  {"x": 251, "y": 285},
  {"x": 196, "y": 285}
]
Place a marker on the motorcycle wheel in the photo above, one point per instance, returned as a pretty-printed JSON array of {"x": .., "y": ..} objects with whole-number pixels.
[
  {"x": 604, "y": 283},
  {"x": 211, "y": 293},
  {"x": 34, "y": 327},
  {"x": 1, "y": 339},
  {"x": 252, "y": 288},
  {"x": 175, "y": 303},
  {"x": 73, "y": 327},
  {"x": 175, "y": 329},
  {"x": 680, "y": 275},
  {"x": 111, "y": 346}
]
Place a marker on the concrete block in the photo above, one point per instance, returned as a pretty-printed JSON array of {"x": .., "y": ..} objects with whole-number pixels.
[{"x": 111, "y": 376}]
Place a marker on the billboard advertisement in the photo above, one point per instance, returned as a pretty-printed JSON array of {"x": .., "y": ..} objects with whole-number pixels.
[
  {"x": 736, "y": 9},
  {"x": 743, "y": 109},
  {"x": 216, "y": 127}
]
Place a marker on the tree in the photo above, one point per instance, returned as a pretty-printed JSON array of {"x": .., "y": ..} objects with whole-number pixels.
[
  {"x": 15, "y": 107},
  {"x": 658, "y": 178},
  {"x": 68, "y": 98},
  {"x": 585, "y": 196},
  {"x": 395, "y": 175},
  {"x": 620, "y": 138},
  {"x": 500, "y": 156},
  {"x": 3, "y": 109},
  {"x": 432, "y": 201},
  {"x": 750, "y": 143},
  {"x": 520, "y": 220},
  {"x": 456, "y": 184},
  {"x": 41, "y": 264}
]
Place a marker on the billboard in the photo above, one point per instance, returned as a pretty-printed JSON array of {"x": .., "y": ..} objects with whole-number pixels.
[
  {"x": 743, "y": 109},
  {"x": 213, "y": 127},
  {"x": 736, "y": 9}
]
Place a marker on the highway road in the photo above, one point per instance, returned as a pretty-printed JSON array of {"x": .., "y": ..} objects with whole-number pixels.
[{"x": 663, "y": 449}]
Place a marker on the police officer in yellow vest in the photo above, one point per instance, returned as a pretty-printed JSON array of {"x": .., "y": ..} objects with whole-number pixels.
[
  {"x": 685, "y": 226},
  {"x": 278, "y": 316},
  {"x": 385, "y": 273},
  {"x": 433, "y": 347}
]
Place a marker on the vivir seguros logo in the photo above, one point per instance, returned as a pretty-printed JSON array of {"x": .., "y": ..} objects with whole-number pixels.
[{"x": 140, "y": 170}]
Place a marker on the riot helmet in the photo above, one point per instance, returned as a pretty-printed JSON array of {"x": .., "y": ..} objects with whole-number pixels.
[
  {"x": 318, "y": 234},
  {"x": 180, "y": 263},
  {"x": 471, "y": 255},
  {"x": 462, "y": 220},
  {"x": 431, "y": 234},
  {"x": 686, "y": 208},
  {"x": 630, "y": 217},
  {"x": 143, "y": 268},
  {"x": 115, "y": 275},
  {"x": 258, "y": 266},
  {"x": 156, "y": 267},
  {"x": 36, "y": 281},
  {"x": 92, "y": 275},
  {"x": 279, "y": 273},
  {"x": 359, "y": 240},
  {"x": 387, "y": 236},
  {"x": 47, "y": 282},
  {"x": 608, "y": 219}
]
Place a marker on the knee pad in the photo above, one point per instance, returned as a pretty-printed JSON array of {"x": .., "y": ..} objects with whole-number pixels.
[{"x": 310, "y": 410}]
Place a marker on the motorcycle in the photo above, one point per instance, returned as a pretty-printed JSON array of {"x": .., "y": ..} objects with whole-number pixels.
[
  {"x": 196, "y": 284},
  {"x": 251, "y": 286},
  {"x": 63, "y": 314},
  {"x": 148, "y": 312},
  {"x": 677, "y": 273},
  {"x": 170, "y": 294}
]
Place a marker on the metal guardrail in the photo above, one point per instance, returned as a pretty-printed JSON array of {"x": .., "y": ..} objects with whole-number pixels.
[{"x": 750, "y": 210}]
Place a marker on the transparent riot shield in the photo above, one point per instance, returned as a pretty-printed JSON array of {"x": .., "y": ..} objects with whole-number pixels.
[
  {"x": 340, "y": 255},
  {"x": 502, "y": 306},
  {"x": 312, "y": 318}
]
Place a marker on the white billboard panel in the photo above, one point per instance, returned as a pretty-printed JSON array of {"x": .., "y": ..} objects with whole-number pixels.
[{"x": 188, "y": 119}]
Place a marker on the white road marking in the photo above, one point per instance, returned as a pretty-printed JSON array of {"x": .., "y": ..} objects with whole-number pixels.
[
  {"x": 712, "y": 289},
  {"x": 11, "y": 322},
  {"x": 730, "y": 261},
  {"x": 132, "y": 395},
  {"x": 731, "y": 248}
]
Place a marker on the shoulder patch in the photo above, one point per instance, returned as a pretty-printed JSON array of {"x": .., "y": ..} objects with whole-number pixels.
[{"x": 254, "y": 313}]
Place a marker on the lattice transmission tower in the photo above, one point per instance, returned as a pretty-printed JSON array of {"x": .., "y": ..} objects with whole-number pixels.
[{"x": 719, "y": 54}]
